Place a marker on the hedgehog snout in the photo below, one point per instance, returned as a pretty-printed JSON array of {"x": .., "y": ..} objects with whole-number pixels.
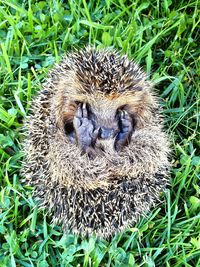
[{"x": 105, "y": 133}]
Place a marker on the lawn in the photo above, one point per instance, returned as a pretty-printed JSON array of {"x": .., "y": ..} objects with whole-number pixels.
[{"x": 163, "y": 37}]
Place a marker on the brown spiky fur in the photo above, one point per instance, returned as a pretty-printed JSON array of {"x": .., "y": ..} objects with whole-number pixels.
[{"x": 109, "y": 192}]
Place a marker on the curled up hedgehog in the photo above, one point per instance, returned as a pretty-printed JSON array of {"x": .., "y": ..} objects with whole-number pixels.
[{"x": 95, "y": 149}]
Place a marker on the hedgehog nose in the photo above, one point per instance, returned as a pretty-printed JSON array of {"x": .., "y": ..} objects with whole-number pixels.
[{"x": 105, "y": 132}]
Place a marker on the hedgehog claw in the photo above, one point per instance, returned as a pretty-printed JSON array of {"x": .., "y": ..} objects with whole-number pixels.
[
  {"x": 77, "y": 122},
  {"x": 79, "y": 112},
  {"x": 85, "y": 112},
  {"x": 95, "y": 133}
]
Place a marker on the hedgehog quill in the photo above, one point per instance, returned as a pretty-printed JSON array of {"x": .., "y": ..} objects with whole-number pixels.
[{"x": 95, "y": 149}]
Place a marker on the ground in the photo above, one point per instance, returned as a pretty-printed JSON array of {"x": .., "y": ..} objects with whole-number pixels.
[{"x": 163, "y": 37}]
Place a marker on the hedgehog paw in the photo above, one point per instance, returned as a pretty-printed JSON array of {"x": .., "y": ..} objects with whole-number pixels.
[
  {"x": 86, "y": 134},
  {"x": 126, "y": 128}
]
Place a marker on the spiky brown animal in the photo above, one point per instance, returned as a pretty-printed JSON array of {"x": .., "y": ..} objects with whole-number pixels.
[{"x": 95, "y": 149}]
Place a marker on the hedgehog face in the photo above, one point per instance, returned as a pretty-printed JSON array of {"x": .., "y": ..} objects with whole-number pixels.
[
  {"x": 106, "y": 121},
  {"x": 97, "y": 120}
]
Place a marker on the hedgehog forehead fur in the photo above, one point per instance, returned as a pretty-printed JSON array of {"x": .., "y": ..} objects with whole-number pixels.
[
  {"x": 110, "y": 192},
  {"x": 106, "y": 71}
]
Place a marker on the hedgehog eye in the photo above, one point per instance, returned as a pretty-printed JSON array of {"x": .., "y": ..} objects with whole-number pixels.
[
  {"x": 70, "y": 133},
  {"x": 69, "y": 128}
]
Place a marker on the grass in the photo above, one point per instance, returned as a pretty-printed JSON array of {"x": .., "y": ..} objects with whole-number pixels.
[{"x": 163, "y": 37}]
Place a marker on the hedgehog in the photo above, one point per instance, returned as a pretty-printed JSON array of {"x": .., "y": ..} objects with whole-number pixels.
[{"x": 95, "y": 149}]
